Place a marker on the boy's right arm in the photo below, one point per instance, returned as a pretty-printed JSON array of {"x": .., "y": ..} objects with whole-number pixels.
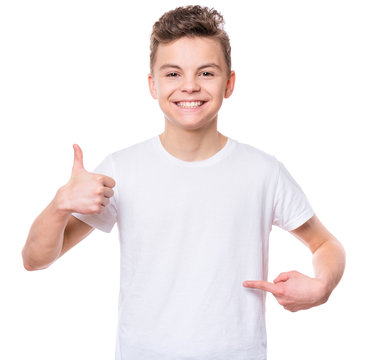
[{"x": 55, "y": 230}]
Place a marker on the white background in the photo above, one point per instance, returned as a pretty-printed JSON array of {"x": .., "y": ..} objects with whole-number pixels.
[{"x": 76, "y": 72}]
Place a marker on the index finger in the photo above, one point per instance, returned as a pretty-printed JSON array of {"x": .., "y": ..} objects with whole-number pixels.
[
  {"x": 261, "y": 284},
  {"x": 108, "y": 181}
]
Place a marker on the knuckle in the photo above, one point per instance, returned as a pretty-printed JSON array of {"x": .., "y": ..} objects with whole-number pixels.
[
  {"x": 95, "y": 208},
  {"x": 282, "y": 302},
  {"x": 99, "y": 190},
  {"x": 291, "y": 308},
  {"x": 280, "y": 291}
]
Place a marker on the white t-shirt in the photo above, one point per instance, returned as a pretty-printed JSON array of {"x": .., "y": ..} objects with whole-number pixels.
[{"x": 190, "y": 234}]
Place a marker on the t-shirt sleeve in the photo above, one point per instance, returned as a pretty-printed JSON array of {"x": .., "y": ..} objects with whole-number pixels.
[
  {"x": 106, "y": 220},
  {"x": 291, "y": 207}
]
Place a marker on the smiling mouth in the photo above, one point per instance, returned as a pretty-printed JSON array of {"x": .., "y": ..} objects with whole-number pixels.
[{"x": 190, "y": 104}]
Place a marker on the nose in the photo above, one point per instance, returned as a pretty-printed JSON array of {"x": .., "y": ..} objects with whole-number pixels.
[{"x": 190, "y": 84}]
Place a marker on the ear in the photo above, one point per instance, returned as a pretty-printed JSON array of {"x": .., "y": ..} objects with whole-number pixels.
[
  {"x": 152, "y": 86},
  {"x": 230, "y": 84}
]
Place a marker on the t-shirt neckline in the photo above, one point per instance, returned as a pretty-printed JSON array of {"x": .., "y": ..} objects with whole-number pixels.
[{"x": 221, "y": 154}]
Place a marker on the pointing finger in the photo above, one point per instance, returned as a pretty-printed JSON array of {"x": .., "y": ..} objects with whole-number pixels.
[{"x": 262, "y": 285}]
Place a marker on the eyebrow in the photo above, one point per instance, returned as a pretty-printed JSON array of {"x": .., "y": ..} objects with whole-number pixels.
[{"x": 165, "y": 66}]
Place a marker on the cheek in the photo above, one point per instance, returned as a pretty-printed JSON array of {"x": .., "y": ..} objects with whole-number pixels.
[
  {"x": 216, "y": 88},
  {"x": 164, "y": 90}
]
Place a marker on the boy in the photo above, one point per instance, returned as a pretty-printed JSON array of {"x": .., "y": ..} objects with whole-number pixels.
[{"x": 194, "y": 210}]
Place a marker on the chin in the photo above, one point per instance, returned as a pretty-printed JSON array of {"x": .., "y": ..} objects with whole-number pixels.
[{"x": 192, "y": 125}]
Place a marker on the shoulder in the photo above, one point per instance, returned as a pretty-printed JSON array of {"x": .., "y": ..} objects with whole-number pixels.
[
  {"x": 131, "y": 153},
  {"x": 257, "y": 158}
]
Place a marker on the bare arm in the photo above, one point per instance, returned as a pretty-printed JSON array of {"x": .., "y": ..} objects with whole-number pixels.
[
  {"x": 55, "y": 230},
  {"x": 52, "y": 233},
  {"x": 328, "y": 254}
]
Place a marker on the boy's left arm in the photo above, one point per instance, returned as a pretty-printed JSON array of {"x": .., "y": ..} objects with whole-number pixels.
[{"x": 296, "y": 291}]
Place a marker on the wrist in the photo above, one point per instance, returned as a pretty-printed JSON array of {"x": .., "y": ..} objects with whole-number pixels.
[
  {"x": 61, "y": 203},
  {"x": 325, "y": 288}
]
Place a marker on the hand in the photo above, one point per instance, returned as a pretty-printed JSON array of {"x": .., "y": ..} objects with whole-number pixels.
[
  {"x": 85, "y": 192},
  {"x": 293, "y": 290}
]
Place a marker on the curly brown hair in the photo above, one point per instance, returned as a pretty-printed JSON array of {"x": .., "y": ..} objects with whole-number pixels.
[{"x": 191, "y": 21}]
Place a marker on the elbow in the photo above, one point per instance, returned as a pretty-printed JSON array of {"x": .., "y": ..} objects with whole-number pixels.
[
  {"x": 31, "y": 266},
  {"x": 26, "y": 264},
  {"x": 28, "y": 267}
]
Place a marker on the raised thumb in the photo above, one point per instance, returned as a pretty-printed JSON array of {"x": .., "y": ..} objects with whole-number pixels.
[
  {"x": 281, "y": 278},
  {"x": 78, "y": 158}
]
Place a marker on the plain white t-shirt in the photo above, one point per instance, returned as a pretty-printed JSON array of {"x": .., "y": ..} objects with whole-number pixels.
[{"x": 190, "y": 233}]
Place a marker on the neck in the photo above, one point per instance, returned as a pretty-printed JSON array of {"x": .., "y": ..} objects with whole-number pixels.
[{"x": 192, "y": 145}]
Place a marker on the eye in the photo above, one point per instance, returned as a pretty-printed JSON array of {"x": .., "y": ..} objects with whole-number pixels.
[
  {"x": 172, "y": 74},
  {"x": 207, "y": 74}
]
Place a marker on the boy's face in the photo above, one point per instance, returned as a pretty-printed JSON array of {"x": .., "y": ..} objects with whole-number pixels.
[{"x": 190, "y": 81}]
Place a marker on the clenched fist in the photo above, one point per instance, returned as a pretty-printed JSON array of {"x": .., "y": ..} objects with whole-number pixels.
[{"x": 85, "y": 192}]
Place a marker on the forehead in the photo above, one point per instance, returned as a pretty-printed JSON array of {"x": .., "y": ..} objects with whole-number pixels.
[{"x": 188, "y": 51}]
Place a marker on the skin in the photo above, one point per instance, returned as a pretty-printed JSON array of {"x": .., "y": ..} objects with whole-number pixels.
[
  {"x": 55, "y": 231},
  {"x": 189, "y": 136},
  {"x": 193, "y": 136},
  {"x": 296, "y": 291}
]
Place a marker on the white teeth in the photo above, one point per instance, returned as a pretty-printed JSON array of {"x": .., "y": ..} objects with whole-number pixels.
[{"x": 189, "y": 104}]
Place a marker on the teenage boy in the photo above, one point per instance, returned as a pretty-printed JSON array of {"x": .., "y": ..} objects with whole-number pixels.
[{"x": 194, "y": 210}]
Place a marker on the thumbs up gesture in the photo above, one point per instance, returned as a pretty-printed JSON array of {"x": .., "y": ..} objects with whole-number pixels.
[{"x": 85, "y": 192}]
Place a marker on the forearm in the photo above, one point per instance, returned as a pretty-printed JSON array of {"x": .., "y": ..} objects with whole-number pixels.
[
  {"x": 45, "y": 238},
  {"x": 329, "y": 263}
]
